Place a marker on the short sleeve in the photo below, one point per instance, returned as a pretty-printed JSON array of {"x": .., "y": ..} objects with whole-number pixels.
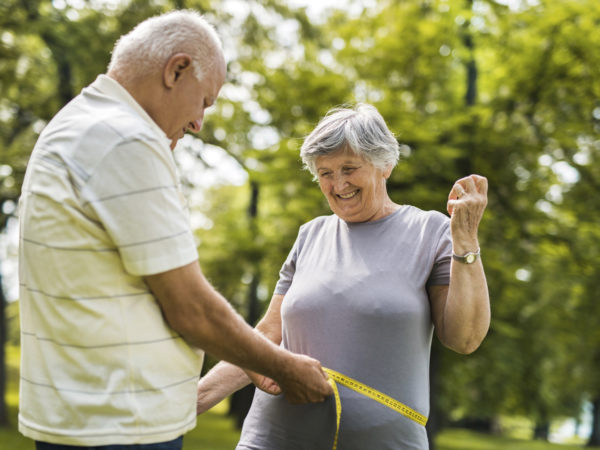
[
  {"x": 134, "y": 193},
  {"x": 440, "y": 273},
  {"x": 288, "y": 270}
]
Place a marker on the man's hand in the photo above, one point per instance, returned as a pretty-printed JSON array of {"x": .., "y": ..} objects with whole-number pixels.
[
  {"x": 263, "y": 383},
  {"x": 304, "y": 381}
]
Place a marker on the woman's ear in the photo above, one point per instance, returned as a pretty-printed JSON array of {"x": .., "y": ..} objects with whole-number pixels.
[{"x": 176, "y": 66}]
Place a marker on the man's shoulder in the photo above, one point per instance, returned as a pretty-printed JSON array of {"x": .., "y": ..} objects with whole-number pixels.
[
  {"x": 100, "y": 109},
  {"x": 109, "y": 115},
  {"x": 88, "y": 130}
]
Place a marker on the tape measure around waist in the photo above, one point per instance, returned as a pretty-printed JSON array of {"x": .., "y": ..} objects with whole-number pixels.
[{"x": 374, "y": 394}]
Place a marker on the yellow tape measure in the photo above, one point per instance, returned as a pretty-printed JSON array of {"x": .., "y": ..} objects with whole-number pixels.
[{"x": 372, "y": 394}]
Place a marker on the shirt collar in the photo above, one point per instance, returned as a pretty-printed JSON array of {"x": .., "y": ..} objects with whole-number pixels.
[{"x": 112, "y": 88}]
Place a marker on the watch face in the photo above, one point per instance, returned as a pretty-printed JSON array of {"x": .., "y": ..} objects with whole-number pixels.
[{"x": 470, "y": 259}]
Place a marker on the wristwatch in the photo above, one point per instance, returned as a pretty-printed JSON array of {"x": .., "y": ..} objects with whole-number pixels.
[{"x": 467, "y": 258}]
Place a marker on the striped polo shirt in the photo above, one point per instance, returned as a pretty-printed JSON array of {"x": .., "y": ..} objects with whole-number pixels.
[{"x": 101, "y": 207}]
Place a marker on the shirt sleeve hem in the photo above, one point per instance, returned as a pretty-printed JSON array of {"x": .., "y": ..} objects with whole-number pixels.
[{"x": 159, "y": 264}]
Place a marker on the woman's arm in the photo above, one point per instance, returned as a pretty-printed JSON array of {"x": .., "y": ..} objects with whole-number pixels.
[
  {"x": 225, "y": 378},
  {"x": 461, "y": 311}
]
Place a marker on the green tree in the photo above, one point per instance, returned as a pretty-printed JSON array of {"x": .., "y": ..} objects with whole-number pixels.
[
  {"x": 40, "y": 66},
  {"x": 49, "y": 51},
  {"x": 468, "y": 86},
  {"x": 541, "y": 84},
  {"x": 281, "y": 101}
]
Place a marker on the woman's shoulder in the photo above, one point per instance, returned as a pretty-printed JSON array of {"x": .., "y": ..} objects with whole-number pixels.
[
  {"x": 319, "y": 222},
  {"x": 309, "y": 231},
  {"x": 425, "y": 217}
]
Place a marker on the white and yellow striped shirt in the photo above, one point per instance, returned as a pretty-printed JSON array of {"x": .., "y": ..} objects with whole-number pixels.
[{"x": 101, "y": 208}]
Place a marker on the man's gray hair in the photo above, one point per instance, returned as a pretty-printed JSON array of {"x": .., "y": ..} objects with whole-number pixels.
[
  {"x": 360, "y": 129},
  {"x": 147, "y": 47}
]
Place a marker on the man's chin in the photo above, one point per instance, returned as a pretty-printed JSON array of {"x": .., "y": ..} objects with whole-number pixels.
[{"x": 175, "y": 139}]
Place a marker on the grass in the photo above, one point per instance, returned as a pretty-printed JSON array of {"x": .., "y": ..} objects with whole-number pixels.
[
  {"x": 215, "y": 431},
  {"x": 10, "y": 438},
  {"x": 457, "y": 439}
]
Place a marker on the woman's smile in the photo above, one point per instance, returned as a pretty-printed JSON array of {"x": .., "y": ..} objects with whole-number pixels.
[{"x": 348, "y": 195}]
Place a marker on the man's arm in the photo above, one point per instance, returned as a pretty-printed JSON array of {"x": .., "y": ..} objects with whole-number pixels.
[
  {"x": 225, "y": 378},
  {"x": 193, "y": 308}
]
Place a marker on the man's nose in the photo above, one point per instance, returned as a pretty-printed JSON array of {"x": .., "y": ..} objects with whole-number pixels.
[{"x": 195, "y": 126}]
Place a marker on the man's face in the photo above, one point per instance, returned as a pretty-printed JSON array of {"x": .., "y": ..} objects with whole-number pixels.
[{"x": 193, "y": 96}]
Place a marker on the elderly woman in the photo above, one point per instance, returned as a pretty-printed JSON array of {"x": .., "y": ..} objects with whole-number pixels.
[{"x": 362, "y": 291}]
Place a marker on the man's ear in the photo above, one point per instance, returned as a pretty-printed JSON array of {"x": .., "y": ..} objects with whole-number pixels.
[
  {"x": 387, "y": 171},
  {"x": 176, "y": 66}
]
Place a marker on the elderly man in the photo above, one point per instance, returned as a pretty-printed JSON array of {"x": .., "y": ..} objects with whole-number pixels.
[{"x": 114, "y": 306}]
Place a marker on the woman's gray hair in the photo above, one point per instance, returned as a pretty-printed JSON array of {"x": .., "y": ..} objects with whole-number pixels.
[
  {"x": 361, "y": 129},
  {"x": 147, "y": 47}
]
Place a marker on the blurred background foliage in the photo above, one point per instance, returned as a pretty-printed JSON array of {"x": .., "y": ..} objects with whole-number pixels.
[{"x": 506, "y": 89}]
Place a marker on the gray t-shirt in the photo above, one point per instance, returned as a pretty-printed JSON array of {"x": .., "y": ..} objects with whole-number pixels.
[{"x": 356, "y": 300}]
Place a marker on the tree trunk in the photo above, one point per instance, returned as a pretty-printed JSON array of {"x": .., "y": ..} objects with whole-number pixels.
[
  {"x": 3, "y": 339},
  {"x": 595, "y": 436},
  {"x": 541, "y": 430},
  {"x": 242, "y": 399},
  {"x": 240, "y": 404},
  {"x": 471, "y": 92},
  {"x": 433, "y": 423},
  {"x": 471, "y": 64},
  {"x": 63, "y": 66}
]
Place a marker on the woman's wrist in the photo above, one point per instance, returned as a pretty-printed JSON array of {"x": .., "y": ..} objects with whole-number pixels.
[{"x": 464, "y": 247}]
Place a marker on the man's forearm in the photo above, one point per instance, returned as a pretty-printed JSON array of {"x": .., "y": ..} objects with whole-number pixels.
[
  {"x": 205, "y": 319},
  {"x": 225, "y": 335}
]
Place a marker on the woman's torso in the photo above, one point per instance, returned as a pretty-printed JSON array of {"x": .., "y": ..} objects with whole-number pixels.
[{"x": 358, "y": 303}]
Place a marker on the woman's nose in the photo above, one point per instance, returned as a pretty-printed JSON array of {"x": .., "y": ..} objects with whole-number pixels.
[{"x": 339, "y": 182}]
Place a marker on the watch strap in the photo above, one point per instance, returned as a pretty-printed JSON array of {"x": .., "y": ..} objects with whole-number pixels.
[{"x": 467, "y": 258}]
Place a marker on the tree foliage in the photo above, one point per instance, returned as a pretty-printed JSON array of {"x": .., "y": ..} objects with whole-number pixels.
[{"x": 468, "y": 86}]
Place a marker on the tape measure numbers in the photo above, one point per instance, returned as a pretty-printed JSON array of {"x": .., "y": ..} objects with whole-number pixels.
[{"x": 374, "y": 394}]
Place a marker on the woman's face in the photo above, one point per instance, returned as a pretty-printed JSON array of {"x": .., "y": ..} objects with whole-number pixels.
[{"x": 354, "y": 188}]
